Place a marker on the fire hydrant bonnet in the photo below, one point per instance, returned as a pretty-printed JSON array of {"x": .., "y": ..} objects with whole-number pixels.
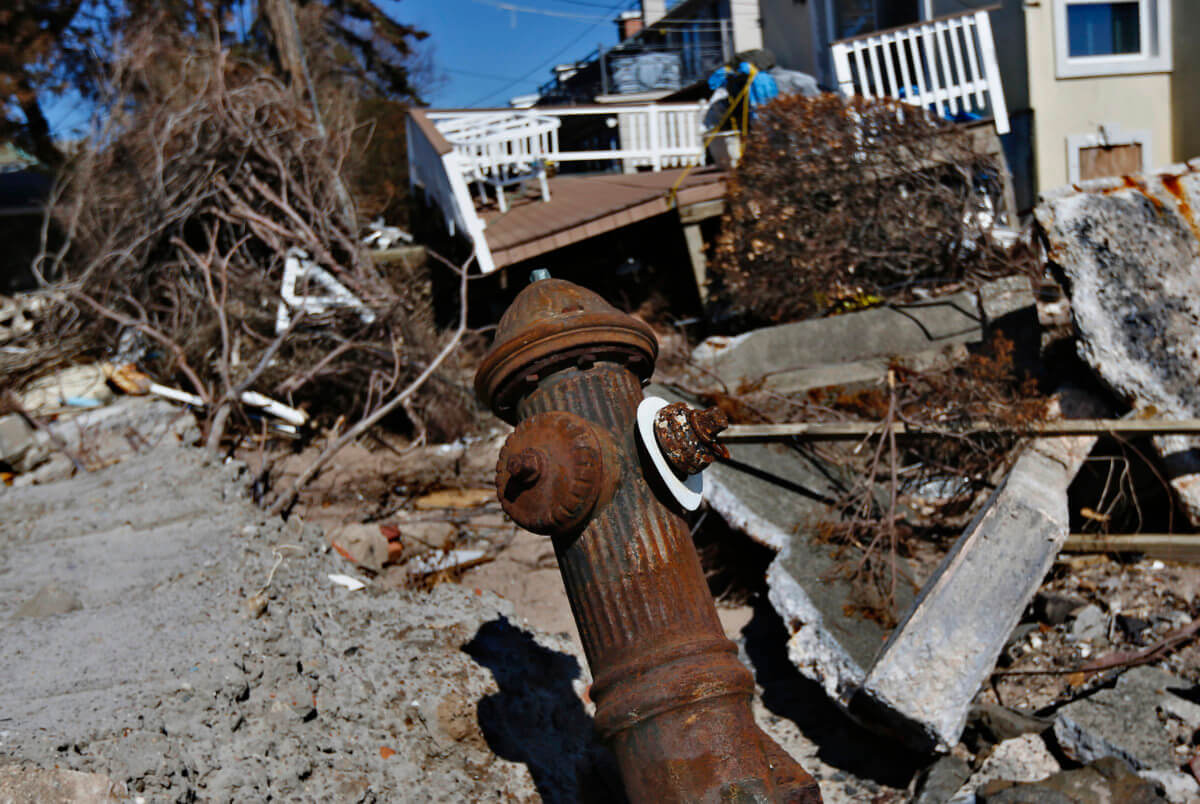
[{"x": 553, "y": 323}]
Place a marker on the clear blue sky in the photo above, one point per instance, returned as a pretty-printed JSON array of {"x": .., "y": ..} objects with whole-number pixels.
[{"x": 485, "y": 53}]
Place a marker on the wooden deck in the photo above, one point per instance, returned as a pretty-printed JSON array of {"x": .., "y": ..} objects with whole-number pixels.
[{"x": 585, "y": 206}]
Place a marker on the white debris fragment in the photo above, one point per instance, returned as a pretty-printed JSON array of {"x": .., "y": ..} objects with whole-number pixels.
[{"x": 351, "y": 583}]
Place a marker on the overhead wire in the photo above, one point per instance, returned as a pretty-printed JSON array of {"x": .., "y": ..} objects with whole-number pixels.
[{"x": 546, "y": 62}]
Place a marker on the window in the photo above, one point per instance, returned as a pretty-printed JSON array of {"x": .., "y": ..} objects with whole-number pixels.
[
  {"x": 1112, "y": 37},
  {"x": 1103, "y": 29}
]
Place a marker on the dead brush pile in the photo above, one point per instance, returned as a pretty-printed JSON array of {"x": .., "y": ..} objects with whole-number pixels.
[
  {"x": 177, "y": 219},
  {"x": 836, "y": 202},
  {"x": 925, "y": 488}
]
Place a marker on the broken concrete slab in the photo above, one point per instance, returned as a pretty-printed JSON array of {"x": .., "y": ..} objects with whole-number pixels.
[
  {"x": 921, "y": 685},
  {"x": 128, "y": 426},
  {"x": 1106, "y": 781},
  {"x": 1124, "y": 721},
  {"x": 1129, "y": 251},
  {"x": 858, "y": 347}
]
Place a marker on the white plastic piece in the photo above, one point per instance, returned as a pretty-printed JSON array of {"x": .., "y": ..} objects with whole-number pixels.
[
  {"x": 689, "y": 491},
  {"x": 292, "y": 416},
  {"x": 297, "y": 266},
  {"x": 351, "y": 583}
]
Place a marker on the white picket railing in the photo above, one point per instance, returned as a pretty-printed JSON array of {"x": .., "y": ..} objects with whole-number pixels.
[
  {"x": 657, "y": 136},
  {"x": 947, "y": 65}
]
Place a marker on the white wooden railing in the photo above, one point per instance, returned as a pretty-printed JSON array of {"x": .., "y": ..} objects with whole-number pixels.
[
  {"x": 657, "y": 136},
  {"x": 947, "y": 65},
  {"x": 440, "y": 172}
]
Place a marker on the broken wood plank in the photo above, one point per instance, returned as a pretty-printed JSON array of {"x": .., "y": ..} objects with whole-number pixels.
[
  {"x": 837, "y": 431},
  {"x": 1165, "y": 546}
]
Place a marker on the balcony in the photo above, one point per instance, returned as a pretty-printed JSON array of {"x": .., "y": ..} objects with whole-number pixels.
[
  {"x": 466, "y": 161},
  {"x": 946, "y": 65}
]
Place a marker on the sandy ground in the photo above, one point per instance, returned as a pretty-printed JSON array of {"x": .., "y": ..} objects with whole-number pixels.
[{"x": 162, "y": 635}]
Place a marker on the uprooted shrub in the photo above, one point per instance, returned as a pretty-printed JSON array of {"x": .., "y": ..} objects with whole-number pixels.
[
  {"x": 180, "y": 213},
  {"x": 838, "y": 201}
]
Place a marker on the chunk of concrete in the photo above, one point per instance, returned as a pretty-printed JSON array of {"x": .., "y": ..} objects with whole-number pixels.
[
  {"x": 1021, "y": 759},
  {"x": 858, "y": 347},
  {"x": 1123, "y": 721},
  {"x": 1104, "y": 782},
  {"x": 931, "y": 667},
  {"x": 942, "y": 780},
  {"x": 1091, "y": 624},
  {"x": 1129, "y": 251},
  {"x": 16, "y": 437}
]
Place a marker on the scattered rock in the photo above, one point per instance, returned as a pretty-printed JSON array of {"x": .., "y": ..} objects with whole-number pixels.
[
  {"x": 1054, "y": 609},
  {"x": 1091, "y": 624},
  {"x": 1177, "y": 786},
  {"x": 128, "y": 426},
  {"x": 1106, "y": 781},
  {"x": 75, "y": 387},
  {"x": 49, "y": 600},
  {"x": 992, "y": 723},
  {"x": 365, "y": 545},
  {"x": 16, "y": 436},
  {"x": 942, "y": 780},
  {"x": 1132, "y": 627}
]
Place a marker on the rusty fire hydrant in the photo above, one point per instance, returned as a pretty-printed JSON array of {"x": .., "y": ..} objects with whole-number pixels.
[{"x": 672, "y": 699}]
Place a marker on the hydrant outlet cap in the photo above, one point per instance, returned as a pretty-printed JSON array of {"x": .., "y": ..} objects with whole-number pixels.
[{"x": 553, "y": 323}]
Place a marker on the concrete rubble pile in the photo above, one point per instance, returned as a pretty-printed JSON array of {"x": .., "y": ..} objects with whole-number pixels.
[
  {"x": 229, "y": 656},
  {"x": 1128, "y": 255}
]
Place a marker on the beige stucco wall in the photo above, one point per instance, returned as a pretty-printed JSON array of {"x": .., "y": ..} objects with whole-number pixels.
[
  {"x": 1185, "y": 80},
  {"x": 1070, "y": 106}
]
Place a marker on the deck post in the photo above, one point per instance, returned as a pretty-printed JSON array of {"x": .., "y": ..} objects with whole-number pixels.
[{"x": 695, "y": 247}]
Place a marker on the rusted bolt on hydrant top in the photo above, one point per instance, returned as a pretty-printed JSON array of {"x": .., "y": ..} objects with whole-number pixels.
[{"x": 672, "y": 699}]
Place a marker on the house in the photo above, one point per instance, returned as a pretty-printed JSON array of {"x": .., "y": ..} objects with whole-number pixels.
[
  {"x": 1090, "y": 87},
  {"x": 647, "y": 143}
]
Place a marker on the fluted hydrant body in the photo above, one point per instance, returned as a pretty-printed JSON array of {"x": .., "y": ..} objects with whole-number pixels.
[{"x": 672, "y": 699}]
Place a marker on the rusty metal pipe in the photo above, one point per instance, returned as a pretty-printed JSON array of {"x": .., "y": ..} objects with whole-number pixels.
[{"x": 672, "y": 699}]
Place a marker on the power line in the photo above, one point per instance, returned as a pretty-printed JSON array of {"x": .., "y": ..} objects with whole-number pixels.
[
  {"x": 630, "y": 5},
  {"x": 546, "y": 12},
  {"x": 473, "y": 74},
  {"x": 547, "y": 62}
]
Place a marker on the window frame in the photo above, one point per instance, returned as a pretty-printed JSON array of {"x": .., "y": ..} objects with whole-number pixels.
[
  {"x": 1154, "y": 55},
  {"x": 1111, "y": 134}
]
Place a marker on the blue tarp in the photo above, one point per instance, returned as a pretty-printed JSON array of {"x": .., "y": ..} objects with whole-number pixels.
[{"x": 762, "y": 87}]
